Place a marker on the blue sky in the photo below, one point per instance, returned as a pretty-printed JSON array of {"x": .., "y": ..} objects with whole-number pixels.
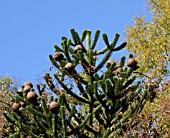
[{"x": 29, "y": 29}]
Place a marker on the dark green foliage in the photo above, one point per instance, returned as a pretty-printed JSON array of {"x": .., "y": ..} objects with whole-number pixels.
[
  {"x": 90, "y": 101},
  {"x": 34, "y": 119}
]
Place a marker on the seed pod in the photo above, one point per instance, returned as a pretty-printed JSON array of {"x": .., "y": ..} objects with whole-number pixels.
[
  {"x": 28, "y": 83},
  {"x": 58, "y": 56},
  {"x": 54, "y": 106},
  {"x": 110, "y": 62},
  {"x": 78, "y": 47},
  {"x": 31, "y": 96},
  {"x": 15, "y": 107},
  {"x": 27, "y": 88},
  {"x": 20, "y": 91},
  {"x": 118, "y": 70},
  {"x": 22, "y": 104},
  {"x": 131, "y": 63},
  {"x": 69, "y": 66}
]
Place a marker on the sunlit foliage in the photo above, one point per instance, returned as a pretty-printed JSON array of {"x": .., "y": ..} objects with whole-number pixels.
[{"x": 149, "y": 38}]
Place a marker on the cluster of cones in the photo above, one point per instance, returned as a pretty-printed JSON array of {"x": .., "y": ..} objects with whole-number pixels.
[
  {"x": 31, "y": 97},
  {"x": 132, "y": 63}
]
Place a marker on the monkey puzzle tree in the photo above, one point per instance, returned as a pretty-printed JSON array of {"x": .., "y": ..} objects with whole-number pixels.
[{"x": 93, "y": 97}]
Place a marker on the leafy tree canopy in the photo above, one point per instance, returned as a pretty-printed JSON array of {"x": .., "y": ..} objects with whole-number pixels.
[{"x": 150, "y": 40}]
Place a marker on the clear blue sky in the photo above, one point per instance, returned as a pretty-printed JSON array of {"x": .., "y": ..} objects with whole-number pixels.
[{"x": 29, "y": 29}]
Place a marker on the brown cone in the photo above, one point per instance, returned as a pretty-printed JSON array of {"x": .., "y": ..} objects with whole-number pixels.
[
  {"x": 69, "y": 66},
  {"x": 78, "y": 47},
  {"x": 118, "y": 70},
  {"x": 22, "y": 104},
  {"x": 110, "y": 62},
  {"x": 28, "y": 83},
  {"x": 15, "y": 107},
  {"x": 131, "y": 63},
  {"x": 31, "y": 96},
  {"x": 20, "y": 91},
  {"x": 58, "y": 56},
  {"x": 27, "y": 88},
  {"x": 54, "y": 106}
]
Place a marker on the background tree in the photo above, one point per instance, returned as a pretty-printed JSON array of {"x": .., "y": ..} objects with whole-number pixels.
[
  {"x": 7, "y": 86},
  {"x": 92, "y": 98},
  {"x": 158, "y": 112},
  {"x": 149, "y": 40}
]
